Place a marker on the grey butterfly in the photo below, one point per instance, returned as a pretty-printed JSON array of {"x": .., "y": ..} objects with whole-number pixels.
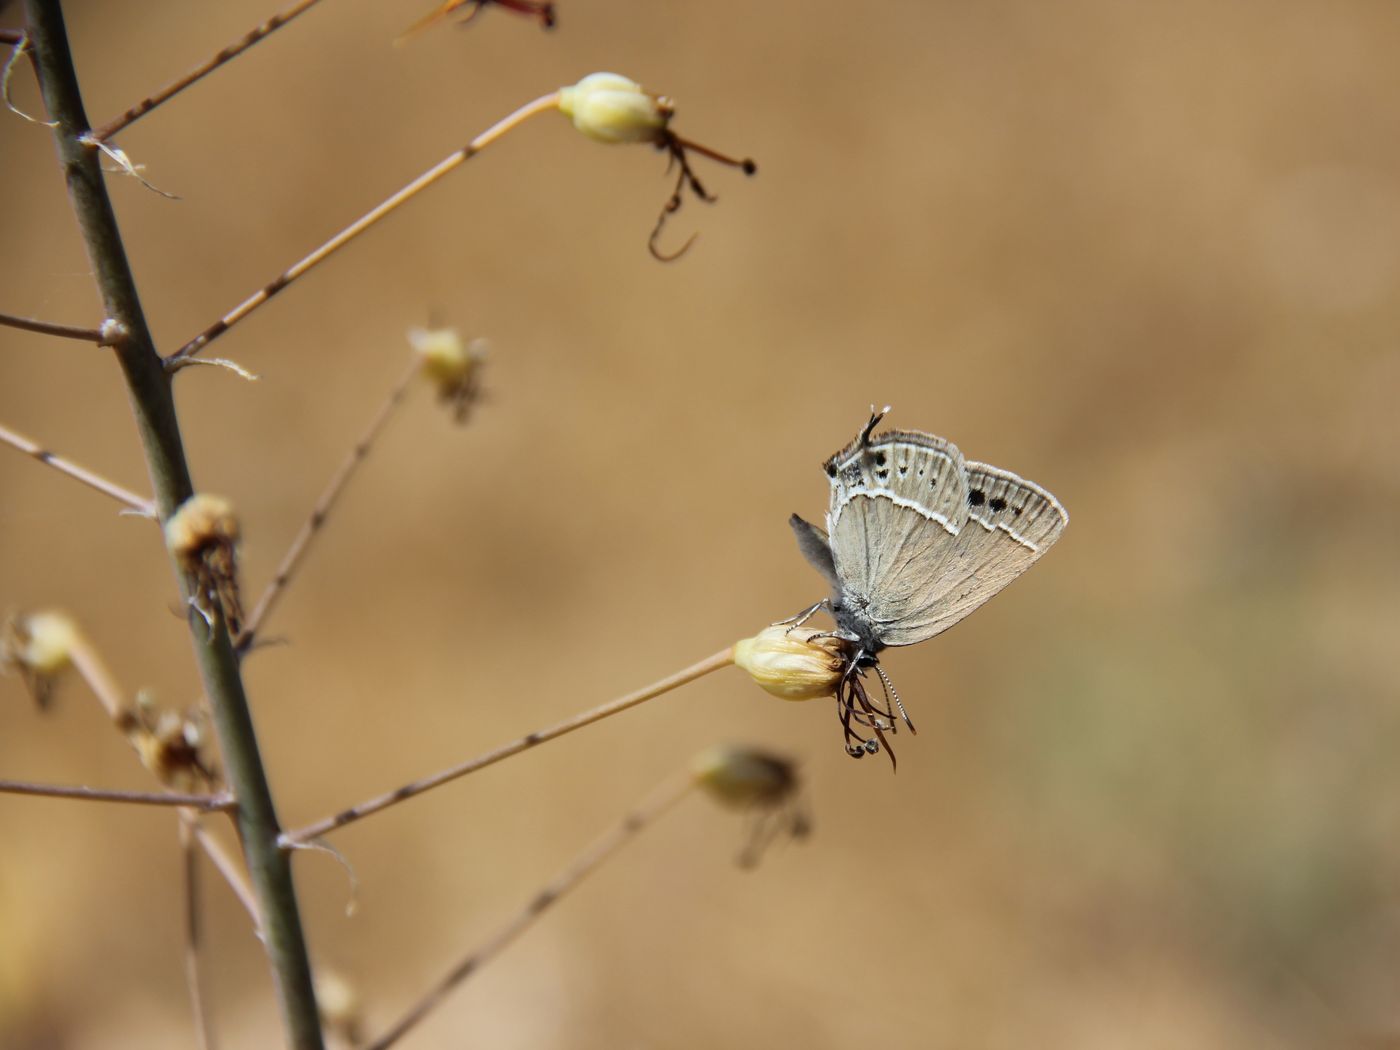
[{"x": 916, "y": 539}]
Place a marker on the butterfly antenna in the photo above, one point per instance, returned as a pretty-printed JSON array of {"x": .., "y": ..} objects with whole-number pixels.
[{"x": 890, "y": 691}]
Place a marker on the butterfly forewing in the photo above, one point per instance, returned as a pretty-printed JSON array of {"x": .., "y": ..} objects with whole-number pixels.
[
  {"x": 897, "y": 505},
  {"x": 1011, "y": 522}
]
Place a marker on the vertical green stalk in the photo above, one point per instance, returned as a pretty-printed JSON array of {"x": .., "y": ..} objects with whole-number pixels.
[{"x": 153, "y": 406}]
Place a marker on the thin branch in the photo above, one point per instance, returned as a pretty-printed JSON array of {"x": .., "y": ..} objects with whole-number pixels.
[
  {"x": 65, "y": 331},
  {"x": 144, "y": 507},
  {"x": 232, "y": 51},
  {"x": 360, "y": 225},
  {"x": 723, "y": 658},
  {"x": 229, "y": 868},
  {"x": 193, "y": 938},
  {"x": 292, "y": 559},
  {"x": 581, "y": 866},
  {"x": 153, "y": 408},
  {"x": 204, "y": 803}
]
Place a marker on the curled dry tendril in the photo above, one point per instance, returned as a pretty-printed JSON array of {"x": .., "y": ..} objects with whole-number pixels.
[
  {"x": 858, "y": 710},
  {"x": 679, "y": 160}
]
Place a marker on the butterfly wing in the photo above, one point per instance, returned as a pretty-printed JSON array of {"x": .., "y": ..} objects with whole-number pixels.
[
  {"x": 1010, "y": 524},
  {"x": 898, "y": 505}
]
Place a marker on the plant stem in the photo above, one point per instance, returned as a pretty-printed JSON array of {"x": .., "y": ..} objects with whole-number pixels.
[
  {"x": 141, "y": 506},
  {"x": 139, "y": 798},
  {"x": 723, "y": 658},
  {"x": 581, "y": 866},
  {"x": 360, "y": 225},
  {"x": 278, "y": 584},
  {"x": 193, "y": 938},
  {"x": 232, "y": 51},
  {"x": 153, "y": 406},
  {"x": 65, "y": 331}
]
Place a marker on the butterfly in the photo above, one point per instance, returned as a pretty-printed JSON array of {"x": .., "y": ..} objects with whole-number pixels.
[{"x": 916, "y": 538}]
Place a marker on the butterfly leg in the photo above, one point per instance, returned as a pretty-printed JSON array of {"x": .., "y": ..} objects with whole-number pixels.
[{"x": 805, "y": 615}]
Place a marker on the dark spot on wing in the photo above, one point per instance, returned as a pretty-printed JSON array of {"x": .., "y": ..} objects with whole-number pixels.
[
  {"x": 882, "y": 474},
  {"x": 997, "y": 504},
  {"x": 879, "y": 459},
  {"x": 831, "y": 469},
  {"x": 977, "y": 497}
]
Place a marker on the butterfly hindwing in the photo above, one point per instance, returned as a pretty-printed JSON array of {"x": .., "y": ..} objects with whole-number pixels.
[{"x": 1010, "y": 523}]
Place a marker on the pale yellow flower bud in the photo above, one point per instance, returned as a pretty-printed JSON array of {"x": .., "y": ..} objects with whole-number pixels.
[
  {"x": 42, "y": 642},
  {"x": 610, "y": 108},
  {"x": 742, "y": 777},
  {"x": 793, "y": 663},
  {"x": 339, "y": 1004},
  {"x": 451, "y": 365}
]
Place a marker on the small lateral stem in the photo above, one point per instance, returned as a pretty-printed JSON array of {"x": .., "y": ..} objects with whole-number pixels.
[
  {"x": 573, "y": 873},
  {"x": 723, "y": 658},
  {"x": 92, "y": 480},
  {"x": 204, "y": 803},
  {"x": 189, "y": 857},
  {"x": 360, "y": 225},
  {"x": 292, "y": 559},
  {"x": 233, "y": 872},
  {"x": 65, "y": 331},
  {"x": 202, "y": 70}
]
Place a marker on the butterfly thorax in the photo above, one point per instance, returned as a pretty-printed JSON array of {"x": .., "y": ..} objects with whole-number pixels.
[{"x": 853, "y": 622}]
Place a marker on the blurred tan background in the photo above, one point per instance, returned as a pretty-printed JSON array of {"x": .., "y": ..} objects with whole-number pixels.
[{"x": 1147, "y": 255}]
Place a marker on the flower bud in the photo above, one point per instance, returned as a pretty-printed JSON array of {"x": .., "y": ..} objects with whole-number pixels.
[
  {"x": 743, "y": 777},
  {"x": 610, "y": 108},
  {"x": 39, "y": 646},
  {"x": 339, "y": 1004},
  {"x": 760, "y": 783},
  {"x": 452, "y": 366},
  {"x": 794, "y": 663}
]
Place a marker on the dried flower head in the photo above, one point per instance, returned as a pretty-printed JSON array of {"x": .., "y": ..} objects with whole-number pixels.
[
  {"x": 611, "y": 108},
  {"x": 172, "y": 744},
  {"x": 794, "y": 663},
  {"x": 38, "y": 647},
  {"x": 757, "y": 782},
  {"x": 203, "y": 536},
  {"x": 452, "y": 366}
]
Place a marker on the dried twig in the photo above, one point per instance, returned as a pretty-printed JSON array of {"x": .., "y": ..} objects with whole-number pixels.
[
  {"x": 292, "y": 559},
  {"x": 202, "y": 70},
  {"x": 143, "y": 507},
  {"x": 723, "y": 658},
  {"x": 193, "y": 938},
  {"x": 206, "y": 803},
  {"x": 586, "y": 862},
  {"x": 65, "y": 331},
  {"x": 540, "y": 105}
]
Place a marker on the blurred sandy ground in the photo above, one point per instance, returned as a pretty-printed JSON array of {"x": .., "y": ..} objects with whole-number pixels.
[{"x": 1145, "y": 254}]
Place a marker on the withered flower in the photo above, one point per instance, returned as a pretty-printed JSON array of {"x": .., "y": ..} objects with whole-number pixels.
[
  {"x": 452, "y": 366},
  {"x": 759, "y": 783},
  {"x": 610, "y": 108},
  {"x": 38, "y": 647},
  {"x": 203, "y": 536}
]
